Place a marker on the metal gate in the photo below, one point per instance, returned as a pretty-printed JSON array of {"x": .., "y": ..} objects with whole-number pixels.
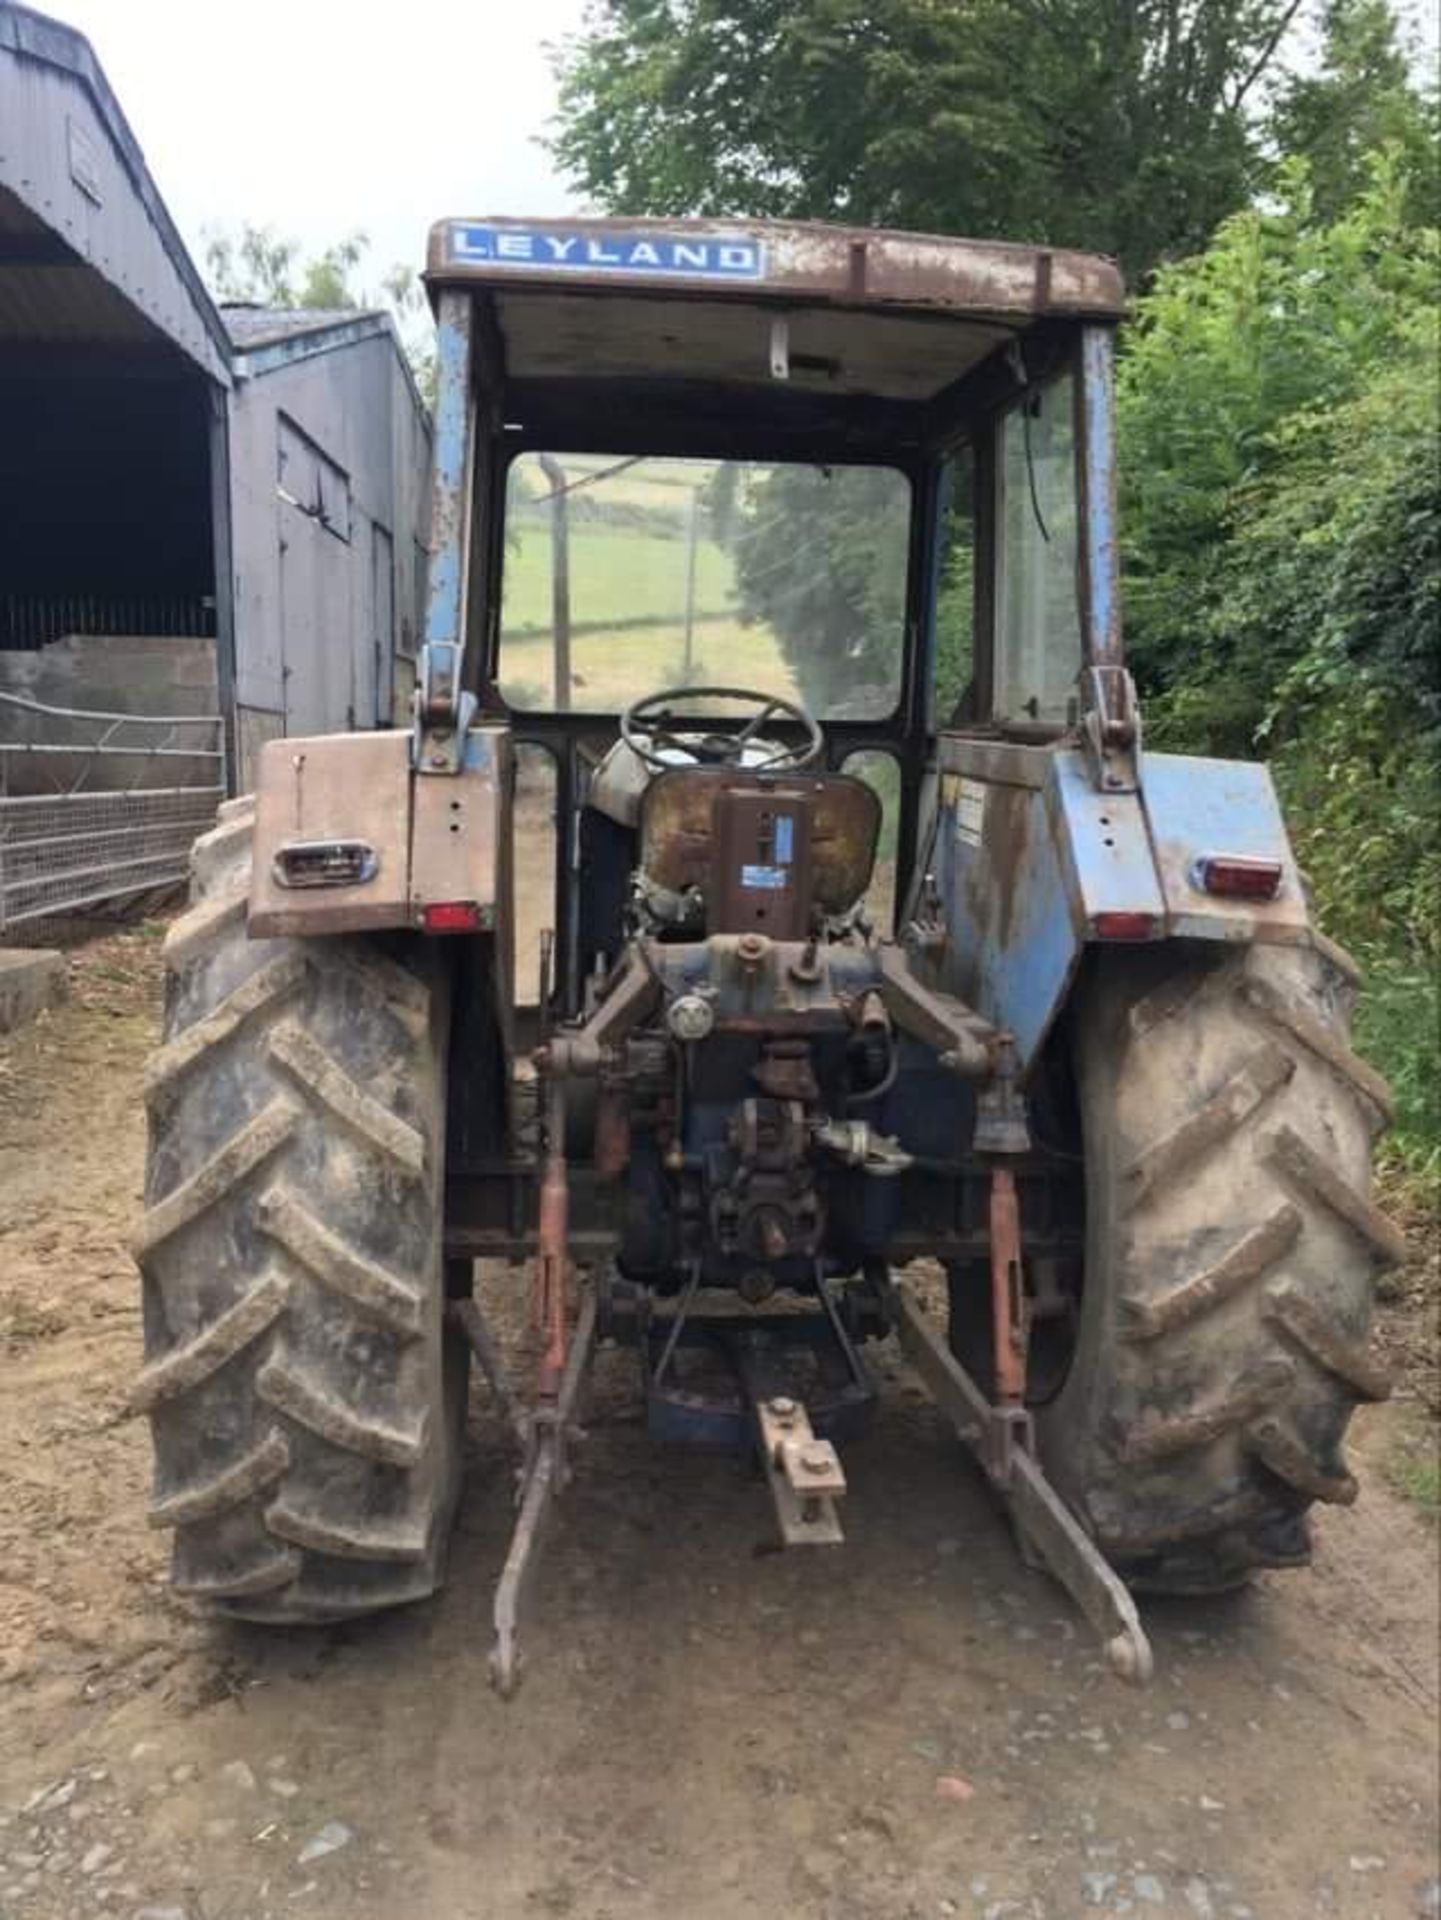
[{"x": 98, "y": 807}]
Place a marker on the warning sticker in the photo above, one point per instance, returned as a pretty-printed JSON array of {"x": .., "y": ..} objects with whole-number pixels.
[{"x": 971, "y": 811}]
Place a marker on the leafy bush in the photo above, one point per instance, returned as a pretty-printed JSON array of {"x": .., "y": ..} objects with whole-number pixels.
[
  {"x": 1398, "y": 1025},
  {"x": 1280, "y": 432}
]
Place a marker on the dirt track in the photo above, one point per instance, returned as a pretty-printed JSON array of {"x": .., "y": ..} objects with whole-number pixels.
[{"x": 708, "y": 1730}]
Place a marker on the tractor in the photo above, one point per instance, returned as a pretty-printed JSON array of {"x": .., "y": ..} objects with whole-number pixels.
[{"x": 858, "y": 975}]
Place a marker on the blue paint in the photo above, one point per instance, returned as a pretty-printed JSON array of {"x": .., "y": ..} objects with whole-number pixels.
[
  {"x": 1215, "y": 806},
  {"x": 442, "y": 607},
  {"x": 479, "y": 752},
  {"x": 1026, "y": 881},
  {"x": 1108, "y": 853},
  {"x": 560, "y": 248},
  {"x": 1014, "y": 936},
  {"x": 1099, "y": 442},
  {"x": 450, "y": 480},
  {"x": 1020, "y": 903},
  {"x": 785, "y": 839},
  {"x": 1197, "y": 806},
  {"x": 765, "y": 879}
]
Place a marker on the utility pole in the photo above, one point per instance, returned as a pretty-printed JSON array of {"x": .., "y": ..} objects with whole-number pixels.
[
  {"x": 692, "y": 522},
  {"x": 559, "y": 577}
]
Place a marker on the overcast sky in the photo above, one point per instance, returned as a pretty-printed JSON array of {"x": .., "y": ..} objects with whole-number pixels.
[{"x": 317, "y": 118}]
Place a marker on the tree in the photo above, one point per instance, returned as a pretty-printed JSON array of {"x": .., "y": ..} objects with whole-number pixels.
[
  {"x": 1281, "y": 444},
  {"x": 1361, "y": 98},
  {"x": 1287, "y": 312},
  {"x": 262, "y": 268},
  {"x": 1122, "y": 125},
  {"x": 820, "y": 557}
]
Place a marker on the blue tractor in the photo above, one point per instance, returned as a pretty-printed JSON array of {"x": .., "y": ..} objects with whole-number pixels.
[{"x": 772, "y": 929}]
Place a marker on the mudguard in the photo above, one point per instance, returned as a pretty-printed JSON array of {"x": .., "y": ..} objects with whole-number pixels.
[
  {"x": 1033, "y": 863},
  {"x": 348, "y": 838}
]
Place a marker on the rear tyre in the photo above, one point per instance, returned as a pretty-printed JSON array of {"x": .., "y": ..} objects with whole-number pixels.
[
  {"x": 306, "y": 1402},
  {"x": 1231, "y": 1254}
]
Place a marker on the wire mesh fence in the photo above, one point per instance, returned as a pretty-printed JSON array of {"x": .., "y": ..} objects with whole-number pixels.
[{"x": 98, "y": 808}]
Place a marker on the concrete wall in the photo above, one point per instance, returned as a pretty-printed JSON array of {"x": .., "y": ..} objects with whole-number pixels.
[
  {"x": 109, "y": 673},
  {"x": 329, "y": 456},
  {"x": 120, "y": 673}
]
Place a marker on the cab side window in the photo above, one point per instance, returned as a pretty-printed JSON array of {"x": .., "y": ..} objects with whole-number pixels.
[
  {"x": 954, "y": 656},
  {"x": 1038, "y": 584}
]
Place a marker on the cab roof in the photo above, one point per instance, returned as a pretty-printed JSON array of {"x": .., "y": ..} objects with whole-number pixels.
[
  {"x": 855, "y": 267},
  {"x": 842, "y": 319}
]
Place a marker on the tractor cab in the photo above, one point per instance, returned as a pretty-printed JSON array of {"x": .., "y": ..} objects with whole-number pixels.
[{"x": 862, "y": 477}]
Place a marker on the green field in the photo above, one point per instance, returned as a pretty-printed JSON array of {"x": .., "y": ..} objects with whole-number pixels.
[
  {"x": 635, "y": 530},
  {"x": 616, "y": 574},
  {"x": 613, "y": 668}
]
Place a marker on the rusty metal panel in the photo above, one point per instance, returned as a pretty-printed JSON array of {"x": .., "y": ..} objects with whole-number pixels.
[
  {"x": 678, "y": 843},
  {"x": 459, "y": 830},
  {"x": 1197, "y": 807},
  {"x": 1013, "y": 927},
  {"x": 339, "y": 787},
  {"x": 1029, "y": 854},
  {"x": 855, "y": 266},
  {"x": 1004, "y": 761},
  {"x": 760, "y": 876}
]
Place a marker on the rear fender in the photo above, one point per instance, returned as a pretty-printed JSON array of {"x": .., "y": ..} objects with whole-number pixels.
[
  {"x": 1197, "y": 807},
  {"x": 1033, "y": 863},
  {"x": 387, "y": 843}
]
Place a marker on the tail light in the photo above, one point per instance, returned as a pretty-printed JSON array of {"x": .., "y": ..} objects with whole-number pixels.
[
  {"x": 1237, "y": 876},
  {"x": 452, "y": 916},
  {"x": 1127, "y": 926}
]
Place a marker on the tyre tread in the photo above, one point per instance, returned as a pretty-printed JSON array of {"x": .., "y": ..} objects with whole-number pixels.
[
  {"x": 306, "y": 1447},
  {"x": 1211, "y": 1414}
]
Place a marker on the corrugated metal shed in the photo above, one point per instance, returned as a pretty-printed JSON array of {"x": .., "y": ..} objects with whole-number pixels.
[
  {"x": 329, "y": 449},
  {"x": 250, "y": 326},
  {"x": 253, "y": 476},
  {"x": 69, "y": 161}
]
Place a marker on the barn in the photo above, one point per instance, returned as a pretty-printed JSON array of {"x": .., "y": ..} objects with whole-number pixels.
[{"x": 211, "y": 522}]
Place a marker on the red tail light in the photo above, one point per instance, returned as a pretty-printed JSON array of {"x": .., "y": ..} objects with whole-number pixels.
[
  {"x": 451, "y": 916},
  {"x": 1237, "y": 876},
  {"x": 1127, "y": 926}
]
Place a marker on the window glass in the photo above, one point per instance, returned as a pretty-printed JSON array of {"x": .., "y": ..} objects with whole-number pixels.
[
  {"x": 880, "y": 771},
  {"x": 533, "y": 826},
  {"x": 1038, "y": 611},
  {"x": 956, "y": 585},
  {"x": 625, "y": 576}
]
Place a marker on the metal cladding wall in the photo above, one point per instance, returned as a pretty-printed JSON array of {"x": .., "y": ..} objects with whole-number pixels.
[
  {"x": 68, "y": 155},
  {"x": 164, "y": 470},
  {"x": 113, "y": 365},
  {"x": 329, "y": 450}
]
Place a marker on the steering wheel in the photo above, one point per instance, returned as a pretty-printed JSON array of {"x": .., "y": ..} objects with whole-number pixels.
[{"x": 649, "y": 725}]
